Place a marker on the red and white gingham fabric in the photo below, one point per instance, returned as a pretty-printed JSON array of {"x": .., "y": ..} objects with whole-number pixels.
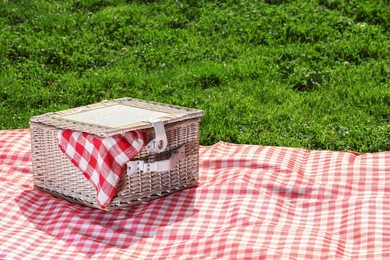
[
  {"x": 101, "y": 160},
  {"x": 253, "y": 202}
]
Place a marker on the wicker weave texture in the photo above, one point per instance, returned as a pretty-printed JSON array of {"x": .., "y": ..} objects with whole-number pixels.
[
  {"x": 54, "y": 173},
  {"x": 59, "y": 119}
]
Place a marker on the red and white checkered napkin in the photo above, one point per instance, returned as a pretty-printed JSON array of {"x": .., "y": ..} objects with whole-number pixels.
[{"x": 101, "y": 160}]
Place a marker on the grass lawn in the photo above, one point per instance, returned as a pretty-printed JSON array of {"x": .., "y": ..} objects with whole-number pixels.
[{"x": 312, "y": 74}]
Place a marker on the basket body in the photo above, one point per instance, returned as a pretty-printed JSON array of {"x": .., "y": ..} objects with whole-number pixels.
[{"x": 55, "y": 173}]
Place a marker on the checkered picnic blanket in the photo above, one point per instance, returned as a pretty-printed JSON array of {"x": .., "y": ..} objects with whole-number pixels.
[{"x": 253, "y": 202}]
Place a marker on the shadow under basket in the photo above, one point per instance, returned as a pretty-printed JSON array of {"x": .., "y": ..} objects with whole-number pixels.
[{"x": 171, "y": 165}]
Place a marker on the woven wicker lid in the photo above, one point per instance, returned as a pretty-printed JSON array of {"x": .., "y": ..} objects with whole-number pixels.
[{"x": 111, "y": 117}]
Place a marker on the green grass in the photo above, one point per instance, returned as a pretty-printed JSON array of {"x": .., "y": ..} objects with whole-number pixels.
[{"x": 312, "y": 74}]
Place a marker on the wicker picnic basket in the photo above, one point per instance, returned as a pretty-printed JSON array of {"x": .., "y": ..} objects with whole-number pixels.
[{"x": 170, "y": 165}]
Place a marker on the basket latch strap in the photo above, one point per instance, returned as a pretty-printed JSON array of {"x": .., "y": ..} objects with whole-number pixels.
[
  {"x": 160, "y": 142},
  {"x": 157, "y": 166}
]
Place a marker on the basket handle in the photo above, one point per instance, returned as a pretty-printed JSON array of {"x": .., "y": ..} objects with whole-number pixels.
[
  {"x": 160, "y": 142},
  {"x": 157, "y": 166}
]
